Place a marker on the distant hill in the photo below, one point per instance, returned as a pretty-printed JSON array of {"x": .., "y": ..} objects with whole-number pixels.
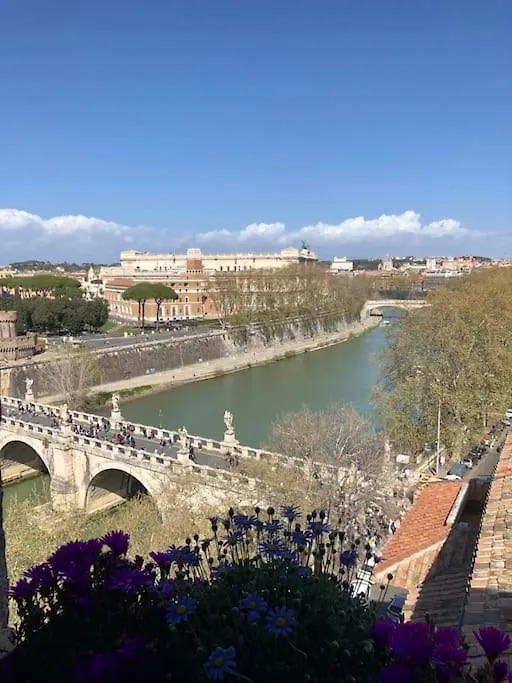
[{"x": 48, "y": 265}]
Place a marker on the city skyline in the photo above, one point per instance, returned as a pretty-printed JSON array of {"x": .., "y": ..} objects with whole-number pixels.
[{"x": 362, "y": 128}]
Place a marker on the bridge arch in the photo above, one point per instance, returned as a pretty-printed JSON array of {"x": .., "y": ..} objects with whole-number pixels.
[
  {"x": 19, "y": 455},
  {"x": 114, "y": 483},
  {"x": 403, "y": 304}
]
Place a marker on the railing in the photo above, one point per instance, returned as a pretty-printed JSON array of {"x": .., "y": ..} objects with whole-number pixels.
[
  {"x": 213, "y": 445},
  {"x": 132, "y": 455}
]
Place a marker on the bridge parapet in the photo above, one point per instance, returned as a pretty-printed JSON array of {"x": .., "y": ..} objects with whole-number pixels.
[
  {"x": 213, "y": 445},
  {"x": 33, "y": 429},
  {"x": 134, "y": 457}
]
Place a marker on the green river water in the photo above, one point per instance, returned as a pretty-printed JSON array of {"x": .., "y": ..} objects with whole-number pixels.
[{"x": 343, "y": 373}]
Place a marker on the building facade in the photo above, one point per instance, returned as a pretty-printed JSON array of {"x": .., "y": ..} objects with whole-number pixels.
[
  {"x": 341, "y": 265},
  {"x": 190, "y": 284},
  {"x": 133, "y": 262}
]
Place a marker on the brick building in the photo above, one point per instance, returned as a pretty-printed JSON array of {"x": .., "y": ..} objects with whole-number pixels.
[{"x": 189, "y": 283}]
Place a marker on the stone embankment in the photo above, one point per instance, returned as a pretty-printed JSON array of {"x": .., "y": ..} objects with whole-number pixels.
[{"x": 165, "y": 363}]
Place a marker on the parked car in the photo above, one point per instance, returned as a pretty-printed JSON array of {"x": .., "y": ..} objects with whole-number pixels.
[
  {"x": 457, "y": 472},
  {"x": 506, "y": 422},
  {"x": 508, "y": 414},
  {"x": 468, "y": 462},
  {"x": 396, "y": 607}
]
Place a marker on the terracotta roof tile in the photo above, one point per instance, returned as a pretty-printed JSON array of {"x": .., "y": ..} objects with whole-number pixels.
[
  {"x": 423, "y": 525},
  {"x": 489, "y": 600}
]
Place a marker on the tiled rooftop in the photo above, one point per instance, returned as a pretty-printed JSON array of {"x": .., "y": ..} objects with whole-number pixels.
[
  {"x": 423, "y": 527},
  {"x": 490, "y": 594}
]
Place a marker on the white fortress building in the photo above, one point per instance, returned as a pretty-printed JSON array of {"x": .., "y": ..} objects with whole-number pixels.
[{"x": 136, "y": 262}]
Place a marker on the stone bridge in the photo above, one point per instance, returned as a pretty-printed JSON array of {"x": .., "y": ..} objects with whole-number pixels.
[
  {"x": 405, "y": 304},
  {"x": 92, "y": 474}
]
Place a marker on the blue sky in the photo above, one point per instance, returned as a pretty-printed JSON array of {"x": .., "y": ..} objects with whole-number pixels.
[{"x": 364, "y": 126}]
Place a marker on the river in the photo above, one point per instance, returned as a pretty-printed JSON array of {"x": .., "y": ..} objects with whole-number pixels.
[{"x": 343, "y": 373}]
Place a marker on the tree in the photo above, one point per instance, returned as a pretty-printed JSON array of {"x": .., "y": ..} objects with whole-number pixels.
[
  {"x": 161, "y": 293},
  {"x": 455, "y": 354},
  {"x": 348, "y": 442},
  {"x": 143, "y": 291},
  {"x": 71, "y": 375},
  {"x": 140, "y": 293}
]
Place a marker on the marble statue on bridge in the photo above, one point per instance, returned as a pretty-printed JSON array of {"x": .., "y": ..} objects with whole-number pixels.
[
  {"x": 183, "y": 439},
  {"x": 229, "y": 434},
  {"x": 228, "y": 421},
  {"x": 115, "y": 402},
  {"x": 29, "y": 393},
  {"x": 183, "y": 453},
  {"x": 115, "y": 413}
]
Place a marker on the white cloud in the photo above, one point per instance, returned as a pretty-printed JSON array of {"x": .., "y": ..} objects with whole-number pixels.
[
  {"x": 78, "y": 237},
  {"x": 358, "y": 229},
  {"x": 263, "y": 230}
]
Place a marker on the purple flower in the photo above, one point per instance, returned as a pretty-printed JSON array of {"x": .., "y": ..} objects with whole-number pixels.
[
  {"x": 163, "y": 560},
  {"x": 273, "y": 527},
  {"x": 128, "y": 579},
  {"x": 299, "y": 538},
  {"x": 75, "y": 554},
  {"x": 280, "y": 621},
  {"x": 180, "y": 610},
  {"x": 447, "y": 636},
  {"x": 253, "y": 617},
  {"x": 233, "y": 538},
  {"x": 221, "y": 661},
  {"x": 41, "y": 576},
  {"x": 290, "y": 512},
  {"x": 253, "y": 603},
  {"x": 102, "y": 664},
  {"x": 348, "y": 558},
  {"x": 499, "y": 671},
  {"x": 165, "y": 589},
  {"x": 382, "y": 631},
  {"x": 117, "y": 541},
  {"x": 492, "y": 641},
  {"x": 273, "y": 548},
  {"x": 298, "y": 571},
  {"x": 396, "y": 673},
  {"x": 448, "y": 661},
  {"x": 412, "y": 643},
  {"x": 22, "y": 590},
  {"x": 318, "y": 527},
  {"x": 183, "y": 556},
  {"x": 244, "y": 522}
]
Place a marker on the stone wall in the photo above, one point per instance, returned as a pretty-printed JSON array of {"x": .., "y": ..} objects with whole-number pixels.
[
  {"x": 124, "y": 362},
  {"x": 144, "y": 359}
]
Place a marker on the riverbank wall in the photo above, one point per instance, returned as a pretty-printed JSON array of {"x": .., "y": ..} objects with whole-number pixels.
[{"x": 158, "y": 365}]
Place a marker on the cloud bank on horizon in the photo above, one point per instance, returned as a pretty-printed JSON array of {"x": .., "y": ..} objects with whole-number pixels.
[{"x": 78, "y": 238}]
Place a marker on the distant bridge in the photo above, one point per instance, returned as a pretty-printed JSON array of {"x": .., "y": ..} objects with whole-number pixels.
[
  {"x": 405, "y": 304},
  {"x": 92, "y": 474}
]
